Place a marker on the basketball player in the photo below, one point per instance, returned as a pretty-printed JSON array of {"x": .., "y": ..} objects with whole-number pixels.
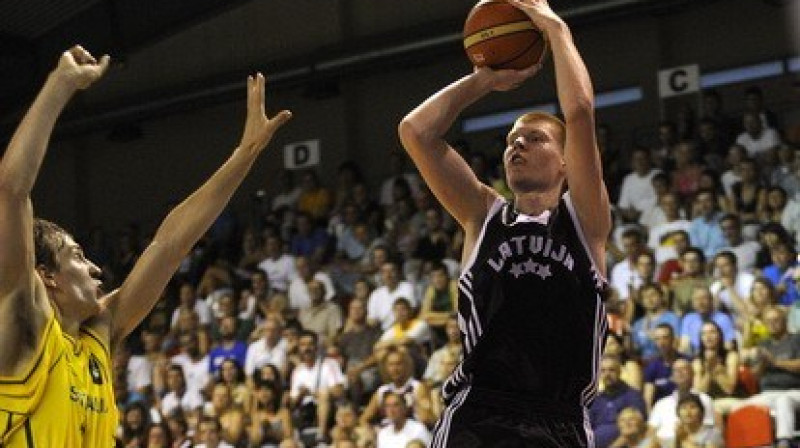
[
  {"x": 56, "y": 327},
  {"x": 533, "y": 268}
]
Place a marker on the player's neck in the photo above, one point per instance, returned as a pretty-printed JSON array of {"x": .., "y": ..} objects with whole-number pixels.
[
  {"x": 534, "y": 203},
  {"x": 70, "y": 324}
]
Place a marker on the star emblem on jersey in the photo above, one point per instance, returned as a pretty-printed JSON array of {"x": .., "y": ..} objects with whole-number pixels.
[{"x": 530, "y": 267}]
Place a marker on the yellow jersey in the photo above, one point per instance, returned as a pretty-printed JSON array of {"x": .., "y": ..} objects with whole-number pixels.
[{"x": 65, "y": 399}]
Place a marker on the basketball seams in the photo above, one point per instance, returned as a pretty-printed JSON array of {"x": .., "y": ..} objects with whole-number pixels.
[
  {"x": 537, "y": 36},
  {"x": 506, "y": 64},
  {"x": 472, "y": 36}
]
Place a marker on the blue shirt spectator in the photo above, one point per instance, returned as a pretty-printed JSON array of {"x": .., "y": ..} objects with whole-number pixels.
[
  {"x": 615, "y": 397},
  {"x": 703, "y": 305},
  {"x": 704, "y": 231},
  {"x": 781, "y": 273},
  {"x": 643, "y": 330}
]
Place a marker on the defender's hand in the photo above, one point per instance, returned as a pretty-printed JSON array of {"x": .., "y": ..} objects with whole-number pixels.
[
  {"x": 79, "y": 68},
  {"x": 258, "y": 129}
]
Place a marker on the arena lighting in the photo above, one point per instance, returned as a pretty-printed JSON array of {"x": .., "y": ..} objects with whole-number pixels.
[
  {"x": 793, "y": 64},
  {"x": 503, "y": 119},
  {"x": 740, "y": 74}
]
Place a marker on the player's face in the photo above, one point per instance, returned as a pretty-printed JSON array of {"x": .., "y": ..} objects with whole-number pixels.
[
  {"x": 77, "y": 279},
  {"x": 533, "y": 159}
]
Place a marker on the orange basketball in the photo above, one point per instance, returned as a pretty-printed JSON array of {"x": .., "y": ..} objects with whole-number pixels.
[{"x": 501, "y": 36}]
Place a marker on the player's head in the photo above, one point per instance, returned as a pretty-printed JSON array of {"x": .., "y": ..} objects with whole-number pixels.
[
  {"x": 534, "y": 154},
  {"x": 72, "y": 281}
]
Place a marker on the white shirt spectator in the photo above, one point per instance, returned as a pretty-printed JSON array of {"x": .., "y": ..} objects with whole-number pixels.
[
  {"x": 746, "y": 253},
  {"x": 623, "y": 276},
  {"x": 637, "y": 191},
  {"x": 388, "y": 437},
  {"x": 298, "y": 290},
  {"x": 388, "y": 184},
  {"x": 280, "y": 271},
  {"x": 657, "y": 240},
  {"x": 140, "y": 373},
  {"x": 188, "y": 402},
  {"x": 664, "y": 417},
  {"x": 790, "y": 219},
  {"x": 258, "y": 355},
  {"x": 196, "y": 372},
  {"x": 742, "y": 285},
  {"x": 202, "y": 310},
  {"x": 314, "y": 379},
  {"x": 758, "y": 146},
  {"x": 381, "y": 301},
  {"x": 418, "y": 330}
]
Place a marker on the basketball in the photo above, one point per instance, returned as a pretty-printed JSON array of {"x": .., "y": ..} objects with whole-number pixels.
[{"x": 501, "y": 36}]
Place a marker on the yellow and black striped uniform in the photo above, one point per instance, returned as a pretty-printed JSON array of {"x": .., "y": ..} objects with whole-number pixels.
[{"x": 65, "y": 399}]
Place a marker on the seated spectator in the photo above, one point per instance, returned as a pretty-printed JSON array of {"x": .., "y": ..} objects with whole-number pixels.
[
  {"x": 397, "y": 369},
  {"x": 194, "y": 362},
  {"x": 132, "y": 431},
  {"x": 672, "y": 268},
  {"x": 685, "y": 175},
  {"x": 691, "y": 324},
  {"x": 748, "y": 196},
  {"x": 439, "y": 301},
  {"x": 757, "y": 139},
  {"x": 690, "y": 431},
  {"x": 347, "y": 428},
  {"x": 209, "y": 430},
  {"x": 406, "y": 328},
  {"x": 780, "y": 273},
  {"x": 232, "y": 374},
  {"x": 158, "y": 436},
  {"x": 401, "y": 429},
  {"x": 433, "y": 243},
  {"x": 750, "y": 318},
  {"x": 270, "y": 421},
  {"x": 382, "y": 299},
  {"x": 307, "y": 271},
  {"x": 672, "y": 220},
  {"x": 693, "y": 275},
  {"x": 444, "y": 359},
  {"x": 663, "y": 419},
  {"x": 777, "y": 365},
  {"x": 279, "y": 266},
  {"x": 716, "y": 369},
  {"x": 315, "y": 200},
  {"x": 624, "y": 278},
  {"x": 309, "y": 240},
  {"x": 636, "y": 193},
  {"x": 322, "y": 317},
  {"x": 179, "y": 398},
  {"x": 658, "y": 371},
  {"x": 270, "y": 348},
  {"x": 730, "y": 286},
  {"x": 615, "y": 397},
  {"x": 631, "y": 370},
  {"x": 632, "y": 430},
  {"x": 190, "y": 302},
  {"x": 356, "y": 345},
  {"x": 705, "y": 232},
  {"x": 260, "y": 299},
  {"x": 231, "y": 418},
  {"x": 228, "y": 346},
  {"x": 746, "y": 251},
  {"x": 643, "y": 332},
  {"x": 315, "y": 384}
]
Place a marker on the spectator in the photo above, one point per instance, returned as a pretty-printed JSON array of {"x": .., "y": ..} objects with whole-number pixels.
[
  {"x": 158, "y": 436},
  {"x": 270, "y": 421},
  {"x": 663, "y": 228},
  {"x": 685, "y": 177},
  {"x": 315, "y": 384},
  {"x": 397, "y": 368},
  {"x": 757, "y": 138},
  {"x": 777, "y": 365},
  {"x": 616, "y": 396},
  {"x": 279, "y": 266},
  {"x": 228, "y": 347},
  {"x": 270, "y": 348},
  {"x": 179, "y": 398},
  {"x": 315, "y": 200},
  {"x": 195, "y": 363},
  {"x": 439, "y": 301},
  {"x": 656, "y": 313},
  {"x": 716, "y": 369},
  {"x": 664, "y": 420},
  {"x": 746, "y": 251},
  {"x": 348, "y": 429},
  {"x": 382, "y": 299},
  {"x": 232, "y": 374},
  {"x": 671, "y": 268},
  {"x": 400, "y": 430},
  {"x": 663, "y": 154},
  {"x": 750, "y": 319},
  {"x": 637, "y": 195},
  {"x": 730, "y": 285},
  {"x": 748, "y": 196},
  {"x": 230, "y": 417},
  {"x": 189, "y": 302},
  {"x": 736, "y": 153},
  {"x": 355, "y": 345},
  {"x": 781, "y": 273},
  {"x": 309, "y": 239},
  {"x": 209, "y": 434},
  {"x": 397, "y": 163},
  {"x": 705, "y": 232},
  {"x": 133, "y": 428},
  {"x": 691, "y": 431},
  {"x": 452, "y": 351},
  {"x": 704, "y": 311},
  {"x": 693, "y": 275},
  {"x": 307, "y": 270},
  {"x": 406, "y": 328},
  {"x": 631, "y": 370},
  {"x": 433, "y": 243},
  {"x": 658, "y": 371},
  {"x": 632, "y": 430},
  {"x": 322, "y": 317},
  {"x": 624, "y": 278},
  {"x": 179, "y": 430}
]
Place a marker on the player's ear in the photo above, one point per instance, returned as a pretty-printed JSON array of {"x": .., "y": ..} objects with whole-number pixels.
[{"x": 47, "y": 276}]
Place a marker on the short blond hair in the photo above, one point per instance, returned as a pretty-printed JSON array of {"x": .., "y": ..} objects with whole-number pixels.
[{"x": 559, "y": 125}]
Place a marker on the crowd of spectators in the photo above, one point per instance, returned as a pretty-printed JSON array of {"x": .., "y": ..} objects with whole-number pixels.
[{"x": 327, "y": 317}]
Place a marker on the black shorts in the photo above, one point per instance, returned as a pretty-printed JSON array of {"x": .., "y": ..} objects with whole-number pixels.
[{"x": 473, "y": 423}]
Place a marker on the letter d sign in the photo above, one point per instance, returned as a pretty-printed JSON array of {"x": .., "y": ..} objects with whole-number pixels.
[
  {"x": 300, "y": 155},
  {"x": 678, "y": 80}
]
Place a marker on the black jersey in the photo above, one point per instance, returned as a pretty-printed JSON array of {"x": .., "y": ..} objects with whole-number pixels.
[{"x": 530, "y": 311}]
